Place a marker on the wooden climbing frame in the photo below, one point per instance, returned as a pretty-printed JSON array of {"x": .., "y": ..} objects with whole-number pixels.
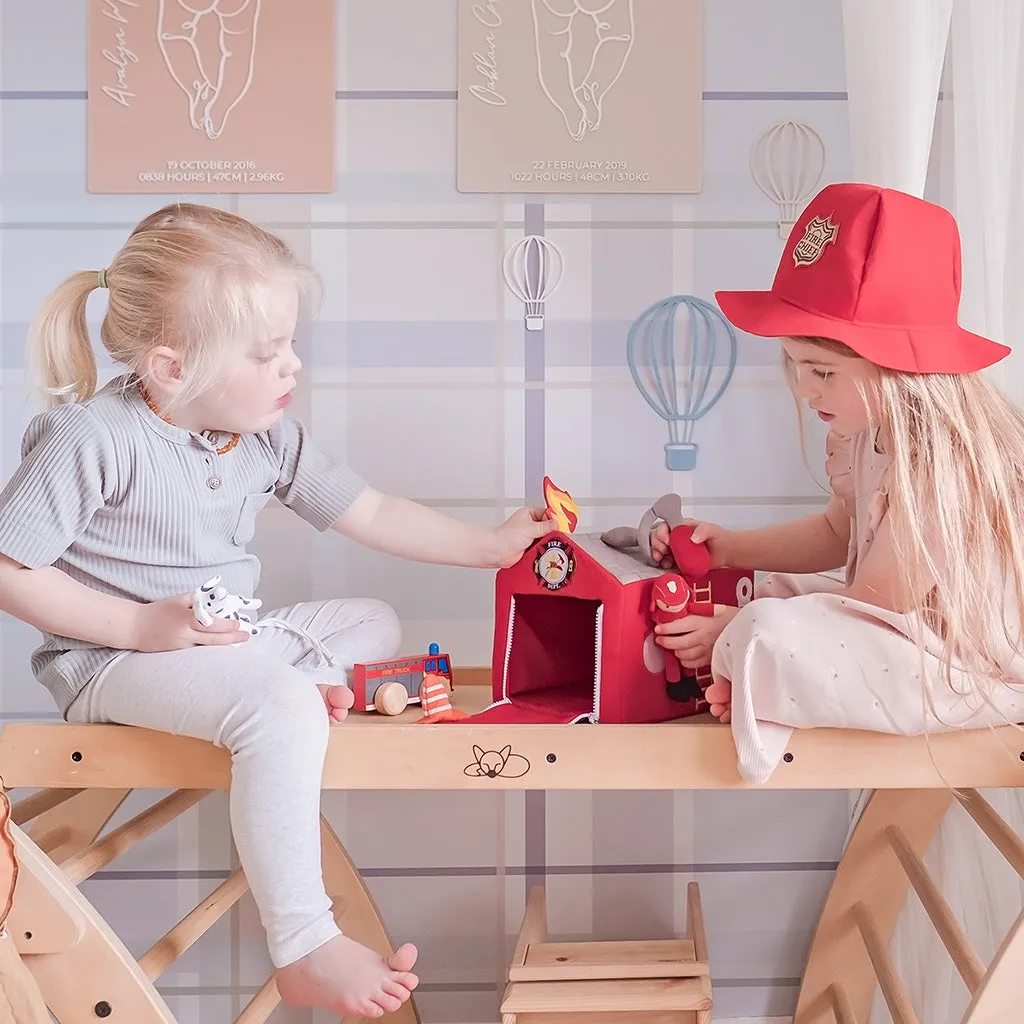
[
  {"x": 81, "y": 967},
  {"x": 82, "y": 775}
]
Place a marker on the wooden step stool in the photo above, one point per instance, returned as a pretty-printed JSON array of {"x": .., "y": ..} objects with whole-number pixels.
[{"x": 655, "y": 982}]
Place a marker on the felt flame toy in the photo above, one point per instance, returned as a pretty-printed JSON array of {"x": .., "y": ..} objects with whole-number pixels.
[
  {"x": 435, "y": 702},
  {"x": 564, "y": 512}
]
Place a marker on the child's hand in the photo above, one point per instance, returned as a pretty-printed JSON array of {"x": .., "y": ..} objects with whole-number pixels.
[
  {"x": 714, "y": 536},
  {"x": 169, "y": 625},
  {"x": 518, "y": 532},
  {"x": 692, "y": 637},
  {"x": 659, "y": 547}
]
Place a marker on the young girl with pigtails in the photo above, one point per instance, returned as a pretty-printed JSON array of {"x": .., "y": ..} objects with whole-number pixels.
[{"x": 129, "y": 498}]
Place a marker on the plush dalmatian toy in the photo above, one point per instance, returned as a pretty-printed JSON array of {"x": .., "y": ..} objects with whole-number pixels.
[{"x": 213, "y": 600}]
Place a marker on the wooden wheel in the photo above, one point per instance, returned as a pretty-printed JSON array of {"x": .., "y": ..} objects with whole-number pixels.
[{"x": 82, "y": 968}]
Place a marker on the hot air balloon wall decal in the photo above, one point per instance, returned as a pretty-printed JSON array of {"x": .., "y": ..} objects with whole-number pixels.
[
  {"x": 532, "y": 268},
  {"x": 682, "y": 354},
  {"x": 786, "y": 163}
]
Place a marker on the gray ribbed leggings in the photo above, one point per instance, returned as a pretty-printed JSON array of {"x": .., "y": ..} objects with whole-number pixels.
[{"x": 259, "y": 700}]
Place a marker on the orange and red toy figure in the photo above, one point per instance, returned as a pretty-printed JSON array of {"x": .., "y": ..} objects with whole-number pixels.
[{"x": 672, "y": 599}]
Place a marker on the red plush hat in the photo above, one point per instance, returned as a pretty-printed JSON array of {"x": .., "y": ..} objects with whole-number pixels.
[{"x": 878, "y": 270}]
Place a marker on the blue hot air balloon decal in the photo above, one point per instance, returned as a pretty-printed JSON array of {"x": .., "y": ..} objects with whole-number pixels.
[{"x": 676, "y": 349}]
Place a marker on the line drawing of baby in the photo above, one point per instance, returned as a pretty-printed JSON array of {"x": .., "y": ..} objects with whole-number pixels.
[
  {"x": 210, "y": 53},
  {"x": 582, "y": 48}
]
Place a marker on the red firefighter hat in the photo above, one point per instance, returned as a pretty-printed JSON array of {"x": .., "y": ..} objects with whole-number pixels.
[{"x": 878, "y": 270}]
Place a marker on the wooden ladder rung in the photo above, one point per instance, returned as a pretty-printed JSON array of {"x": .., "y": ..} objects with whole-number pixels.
[
  {"x": 841, "y": 1007},
  {"x": 262, "y": 1005},
  {"x": 39, "y": 803},
  {"x": 889, "y": 982},
  {"x": 966, "y": 961},
  {"x": 647, "y": 995},
  {"x": 97, "y": 856},
  {"x": 1003, "y": 837},
  {"x": 193, "y": 925}
]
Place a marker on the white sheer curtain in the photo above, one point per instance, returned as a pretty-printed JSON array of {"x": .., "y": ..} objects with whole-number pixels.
[
  {"x": 894, "y": 53},
  {"x": 980, "y": 161},
  {"x": 894, "y": 56}
]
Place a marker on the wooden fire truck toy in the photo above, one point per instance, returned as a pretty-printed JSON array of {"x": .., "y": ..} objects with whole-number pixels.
[{"x": 379, "y": 685}]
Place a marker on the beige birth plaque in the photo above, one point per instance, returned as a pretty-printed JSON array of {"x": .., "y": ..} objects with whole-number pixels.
[
  {"x": 211, "y": 96},
  {"x": 579, "y": 96}
]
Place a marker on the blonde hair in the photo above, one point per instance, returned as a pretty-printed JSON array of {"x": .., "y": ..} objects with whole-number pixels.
[
  {"x": 195, "y": 278},
  {"x": 956, "y": 507}
]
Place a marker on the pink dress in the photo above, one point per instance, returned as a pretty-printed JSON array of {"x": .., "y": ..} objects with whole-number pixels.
[{"x": 802, "y": 656}]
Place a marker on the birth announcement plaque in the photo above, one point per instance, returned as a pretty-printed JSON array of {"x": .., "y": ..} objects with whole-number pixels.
[{"x": 218, "y": 96}]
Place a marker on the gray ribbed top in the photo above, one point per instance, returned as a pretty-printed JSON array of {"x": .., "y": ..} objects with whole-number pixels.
[{"x": 135, "y": 507}]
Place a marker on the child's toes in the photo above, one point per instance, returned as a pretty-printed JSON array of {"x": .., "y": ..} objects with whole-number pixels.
[
  {"x": 388, "y": 1003},
  {"x": 397, "y": 989},
  {"x": 403, "y": 958},
  {"x": 405, "y": 980},
  {"x": 718, "y": 692}
]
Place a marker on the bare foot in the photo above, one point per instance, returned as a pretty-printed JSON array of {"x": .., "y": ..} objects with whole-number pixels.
[
  {"x": 349, "y": 979},
  {"x": 719, "y": 696},
  {"x": 338, "y": 700}
]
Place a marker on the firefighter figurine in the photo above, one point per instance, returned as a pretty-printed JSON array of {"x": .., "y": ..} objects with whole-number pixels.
[{"x": 672, "y": 598}]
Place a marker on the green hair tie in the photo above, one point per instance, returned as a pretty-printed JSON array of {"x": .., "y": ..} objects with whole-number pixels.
[{"x": 101, "y": 277}]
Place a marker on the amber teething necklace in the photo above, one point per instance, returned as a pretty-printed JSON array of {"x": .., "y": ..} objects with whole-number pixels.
[{"x": 222, "y": 450}]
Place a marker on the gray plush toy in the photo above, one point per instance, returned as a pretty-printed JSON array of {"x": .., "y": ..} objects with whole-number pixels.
[{"x": 667, "y": 509}]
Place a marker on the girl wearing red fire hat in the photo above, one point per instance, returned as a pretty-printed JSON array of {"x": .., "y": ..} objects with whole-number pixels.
[{"x": 925, "y": 457}]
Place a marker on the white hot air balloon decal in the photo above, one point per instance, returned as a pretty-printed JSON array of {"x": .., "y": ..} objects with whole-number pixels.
[
  {"x": 786, "y": 163},
  {"x": 533, "y": 269}
]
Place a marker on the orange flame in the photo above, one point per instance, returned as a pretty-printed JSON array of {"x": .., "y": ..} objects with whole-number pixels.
[{"x": 562, "y": 509}]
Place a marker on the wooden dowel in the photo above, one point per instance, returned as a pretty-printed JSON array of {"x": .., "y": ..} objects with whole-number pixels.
[
  {"x": 896, "y": 997},
  {"x": 1005, "y": 840},
  {"x": 695, "y": 922},
  {"x": 966, "y": 961},
  {"x": 52, "y": 840},
  {"x": 193, "y": 926},
  {"x": 262, "y": 1005},
  {"x": 97, "y": 856},
  {"x": 841, "y": 1005},
  {"x": 45, "y": 800}
]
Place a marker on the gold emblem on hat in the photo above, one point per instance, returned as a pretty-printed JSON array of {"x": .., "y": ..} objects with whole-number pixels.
[{"x": 820, "y": 231}]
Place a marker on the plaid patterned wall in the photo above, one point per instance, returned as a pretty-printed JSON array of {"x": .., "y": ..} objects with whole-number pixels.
[{"x": 418, "y": 372}]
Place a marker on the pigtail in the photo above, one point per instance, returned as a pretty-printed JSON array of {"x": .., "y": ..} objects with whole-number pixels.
[
  {"x": 60, "y": 351},
  {"x": 197, "y": 279}
]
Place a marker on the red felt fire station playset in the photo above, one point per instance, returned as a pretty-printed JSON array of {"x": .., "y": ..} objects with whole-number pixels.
[
  {"x": 574, "y": 622},
  {"x": 574, "y": 626}
]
